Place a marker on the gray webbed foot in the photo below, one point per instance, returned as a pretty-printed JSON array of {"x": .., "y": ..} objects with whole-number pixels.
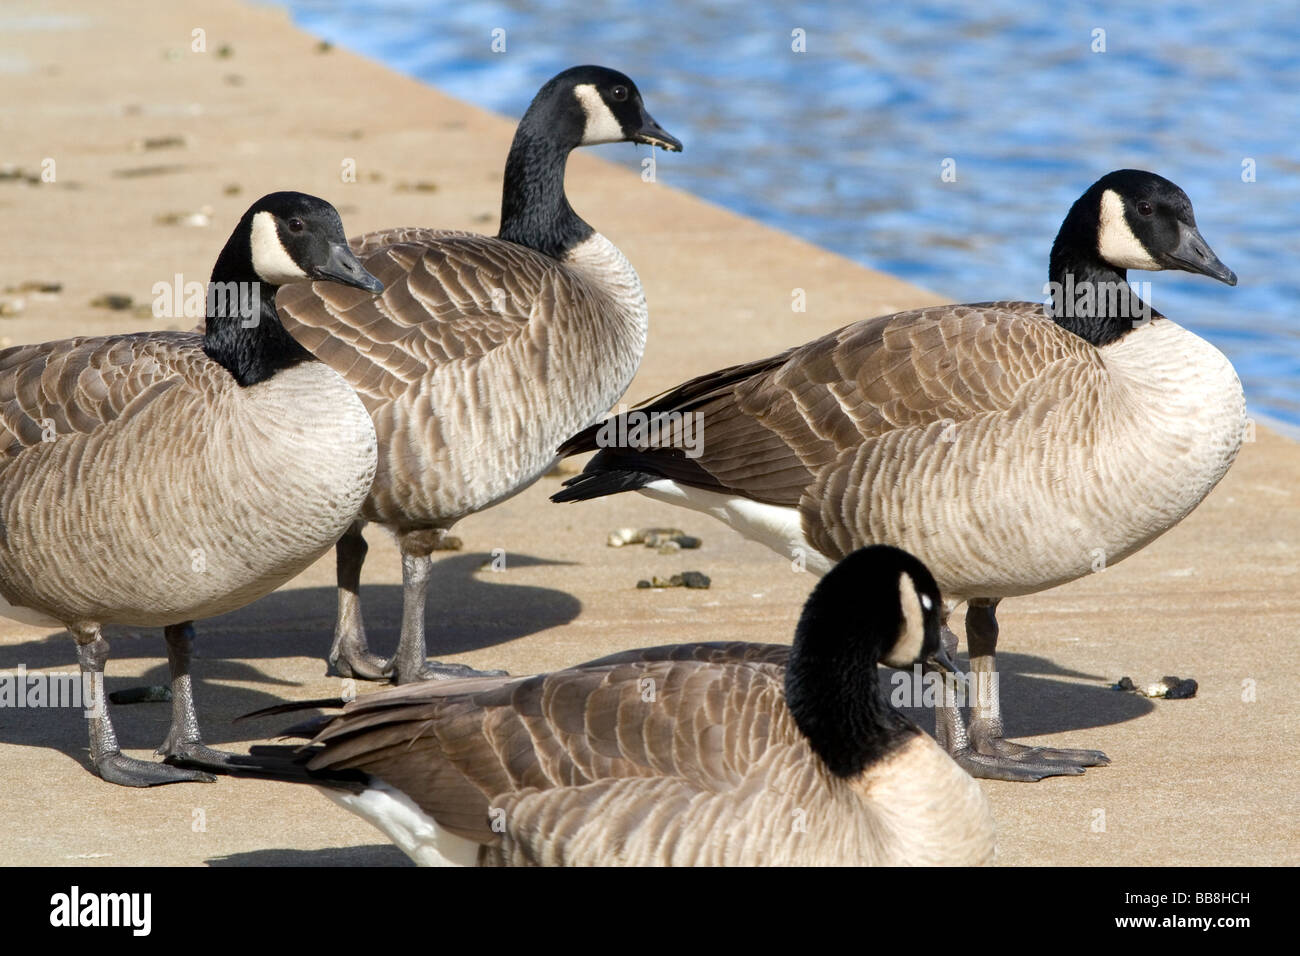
[
  {"x": 436, "y": 670},
  {"x": 126, "y": 771},
  {"x": 357, "y": 661},
  {"x": 992, "y": 757}
]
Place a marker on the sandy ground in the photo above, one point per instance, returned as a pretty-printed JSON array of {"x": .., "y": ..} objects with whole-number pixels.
[{"x": 140, "y": 129}]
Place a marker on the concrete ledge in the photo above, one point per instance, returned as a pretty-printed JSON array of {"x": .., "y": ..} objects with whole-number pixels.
[{"x": 1206, "y": 781}]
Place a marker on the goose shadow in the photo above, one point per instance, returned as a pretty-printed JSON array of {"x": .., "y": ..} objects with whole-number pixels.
[
  {"x": 1035, "y": 703},
  {"x": 379, "y": 854},
  {"x": 465, "y": 611}
]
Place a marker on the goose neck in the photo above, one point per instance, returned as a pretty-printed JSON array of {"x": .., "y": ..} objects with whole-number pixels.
[
  {"x": 243, "y": 333},
  {"x": 535, "y": 211},
  {"x": 832, "y": 689}
]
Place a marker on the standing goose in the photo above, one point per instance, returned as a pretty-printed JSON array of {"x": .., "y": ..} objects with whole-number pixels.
[
  {"x": 692, "y": 754},
  {"x": 1009, "y": 447},
  {"x": 161, "y": 477},
  {"x": 484, "y": 353}
]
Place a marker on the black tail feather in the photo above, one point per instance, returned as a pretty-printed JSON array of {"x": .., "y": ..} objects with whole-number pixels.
[
  {"x": 320, "y": 703},
  {"x": 284, "y": 763},
  {"x": 598, "y": 484}
]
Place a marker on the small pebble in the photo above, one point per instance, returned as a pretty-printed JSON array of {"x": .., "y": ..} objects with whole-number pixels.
[
  {"x": 111, "y": 300},
  {"x": 37, "y": 286},
  {"x": 1169, "y": 688},
  {"x": 687, "y": 579},
  {"x": 158, "y": 142}
]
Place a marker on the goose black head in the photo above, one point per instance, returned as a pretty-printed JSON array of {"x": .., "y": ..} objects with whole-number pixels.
[
  {"x": 283, "y": 237},
  {"x": 589, "y": 105},
  {"x": 292, "y": 237},
  {"x": 878, "y": 604},
  {"x": 1139, "y": 220}
]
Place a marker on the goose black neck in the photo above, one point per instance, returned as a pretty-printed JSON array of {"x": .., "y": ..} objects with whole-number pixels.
[
  {"x": 832, "y": 685},
  {"x": 534, "y": 210},
  {"x": 1091, "y": 297},
  {"x": 243, "y": 331}
]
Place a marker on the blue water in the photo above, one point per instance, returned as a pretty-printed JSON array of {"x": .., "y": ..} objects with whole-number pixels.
[{"x": 843, "y": 144}]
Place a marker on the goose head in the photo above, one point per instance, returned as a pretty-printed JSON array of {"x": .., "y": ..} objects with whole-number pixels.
[
  {"x": 284, "y": 237},
  {"x": 879, "y": 604},
  {"x": 1133, "y": 219},
  {"x": 590, "y": 105},
  {"x": 292, "y": 237}
]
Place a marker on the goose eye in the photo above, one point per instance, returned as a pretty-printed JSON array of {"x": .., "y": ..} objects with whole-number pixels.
[
  {"x": 296, "y": 225},
  {"x": 618, "y": 93},
  {"x": 1144, "y": 208},
  {"x": 926, "y": 602}
]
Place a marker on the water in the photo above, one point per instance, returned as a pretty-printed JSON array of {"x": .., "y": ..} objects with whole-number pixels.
[{"x": 843, "y": 144}]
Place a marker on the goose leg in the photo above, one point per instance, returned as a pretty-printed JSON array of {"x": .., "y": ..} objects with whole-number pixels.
[
  {"x": 106, "y": 756},
  {"x": 409, "y": 663},
  {"x": 995, "y": 757},
  {"x": 183, "y": 739},
  {"x": 351, "y": 656}
]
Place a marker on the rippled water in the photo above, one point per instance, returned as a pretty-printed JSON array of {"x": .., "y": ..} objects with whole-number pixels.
[{"x": 843, "y": 144}]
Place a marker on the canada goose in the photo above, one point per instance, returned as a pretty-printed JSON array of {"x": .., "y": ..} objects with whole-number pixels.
[
  {"x": 691, "y": 754},
  {"x": 484, "y": 353},
  {"x": 156, "y": 478},
  {"x": 1010, "y": 448}
]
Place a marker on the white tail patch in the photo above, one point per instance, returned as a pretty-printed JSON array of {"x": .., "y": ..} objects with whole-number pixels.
[
  {"x": 1115, "y": 239},
  {"x": 602, "y": 126},
  {"x": 414, "y": 832},
  {"x": 271, "y": 261},
  {"x": 781, "y": 529}
]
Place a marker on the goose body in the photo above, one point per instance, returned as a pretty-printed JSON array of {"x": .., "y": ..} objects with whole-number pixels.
[
  {"x": 153, "y": 486},
  {"x": 156, "y": 478},
  {"x": 1012, "y": 447},
  {"x": 483, "y": 353},
  {"x": 684, "y": 755},
  {"x": 1011, "y": 485},
  {"x": 473, "y": 388}
]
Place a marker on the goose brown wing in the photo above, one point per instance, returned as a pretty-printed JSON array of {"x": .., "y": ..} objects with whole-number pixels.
[
  {"x": 771, "y": 428},
  {"x": 448, "y": 296},
  {"x": 465, "y": 748},
  {"x": 56, "y": 391}
]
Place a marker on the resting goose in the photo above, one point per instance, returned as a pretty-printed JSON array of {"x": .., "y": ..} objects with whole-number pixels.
[
  {"x": 484, "y": 353},
  {"x": 1009, "y": 447},
  {"x": 692, "y": 754},
  {"x": 157, "y": 478}
]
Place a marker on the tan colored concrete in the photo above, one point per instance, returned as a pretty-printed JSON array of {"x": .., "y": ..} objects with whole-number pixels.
[{"x": 1210, "y": 780}]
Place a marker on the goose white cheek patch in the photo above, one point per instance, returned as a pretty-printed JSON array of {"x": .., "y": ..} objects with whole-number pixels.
[
  {"x": 271, "y": 261},
  {"x": 912, "y": 637},
  {"x": 602, "y": 126},
  {"x": 1115, "y": 239}
]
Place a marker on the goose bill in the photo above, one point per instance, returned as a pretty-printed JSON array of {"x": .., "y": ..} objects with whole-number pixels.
[
  {"x": 1193, "y": 254},
  {"x": 344, "y": 267}
]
